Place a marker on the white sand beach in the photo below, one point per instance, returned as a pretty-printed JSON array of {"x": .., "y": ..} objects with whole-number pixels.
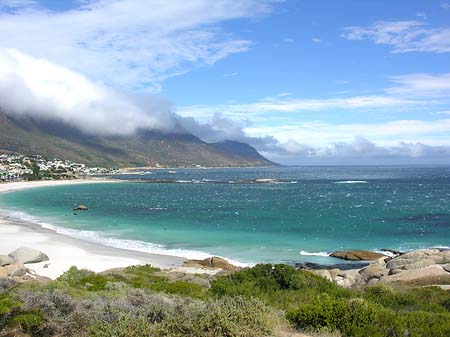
[{"x": 65, "y": 251}]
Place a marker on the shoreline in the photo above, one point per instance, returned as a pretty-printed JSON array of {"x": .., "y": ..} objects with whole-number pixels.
[{"x": 66, "y": 251}]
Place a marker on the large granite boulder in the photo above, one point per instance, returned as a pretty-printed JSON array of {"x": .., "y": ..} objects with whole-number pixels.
[
  {"x": 323, "y": 273},
  {"x": 373, "y": 271},
  {"x": 432, "y": 275},
  {"x": 447, "y": 267},
  {"x": 6, "y": 259},
  {"x": 211, "y": 262},
  {"x": 28, "y": 255},
  {"x": 357, "y": 255},
  {"x": 16, "y": 269},
  {"x": 417, "y": 259}
]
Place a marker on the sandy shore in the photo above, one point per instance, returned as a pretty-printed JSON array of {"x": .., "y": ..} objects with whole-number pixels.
[{"x": 65, "y": 251}]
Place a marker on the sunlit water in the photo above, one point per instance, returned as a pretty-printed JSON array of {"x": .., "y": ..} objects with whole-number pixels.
[{"x": 308, "y": 213}]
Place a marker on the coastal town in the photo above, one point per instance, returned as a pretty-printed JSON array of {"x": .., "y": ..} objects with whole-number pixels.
[{"x": 16, "y": 167}]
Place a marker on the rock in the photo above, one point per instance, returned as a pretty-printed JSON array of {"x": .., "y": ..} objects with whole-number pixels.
[
  {"x": 42, "y": 279},
  {"x": 357, "y": 255},
  {"x": 3, "y": 273},
  {"x": 6, "y": 259},
  {"x": 395, "y": 271},
  {"x": 447, "y": 267},
  {"x": 212, "y": 262},
  {"x": 418, "y": 259},
  {"x": 28, "y": 255},
  {"x": 381, "y": 261},
  {"x": 335, "y": 272},
  {"x": 81, "y": 208},
  {"x": 411, "y": 264},
  {"x": 344, "y": 282},
  {"x": 445, "y": 256},
  {"x": 373, "y": 271},
  {"x": 373, "y": 282},
  {"x": 16, "y": 269},
  {"x": 425, "y": 276},
  {"x": 323, "y": 273}
]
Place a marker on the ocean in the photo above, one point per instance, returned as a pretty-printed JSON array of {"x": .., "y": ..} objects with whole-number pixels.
[{"x": 278, "y": 215}]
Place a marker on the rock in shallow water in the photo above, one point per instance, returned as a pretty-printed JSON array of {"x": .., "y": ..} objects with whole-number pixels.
[
  {"x": 357, "y": 255},
  {"x": 81, "y": 208}
]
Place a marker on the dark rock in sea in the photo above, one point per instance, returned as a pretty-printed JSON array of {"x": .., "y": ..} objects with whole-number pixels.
[
  {"x": 80, "y": 208},
  {"x": 357, "y": 255}
]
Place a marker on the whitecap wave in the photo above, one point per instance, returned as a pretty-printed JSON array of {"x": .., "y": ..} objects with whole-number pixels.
[
  {"x": 105, "y": 240},
  {"x": 304, "y": 253},
  {"x": 351, "y": 182}
]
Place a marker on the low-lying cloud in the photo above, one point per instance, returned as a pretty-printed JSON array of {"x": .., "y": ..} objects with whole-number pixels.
[{"x": 37, "y": 88}]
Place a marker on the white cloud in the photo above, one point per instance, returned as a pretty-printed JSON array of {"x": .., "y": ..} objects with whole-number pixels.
[
  {"x": 133, "y": 44},
  {"x": 320, "y": 134},
  {"x": 283, "y": 104},
  {"x": 39, "y": 89},
  {"x": 16, "y": 4},
  {"x": 362, "y": 151},
  {"x": 316, "y": 40},
  {"x": 433, "y": 85},
  {"x": 445, "y": 5},
  {"x": 35, "y": 87},
  {"x": 403, "y": 36},
  {"x": 422, "y": 15}
]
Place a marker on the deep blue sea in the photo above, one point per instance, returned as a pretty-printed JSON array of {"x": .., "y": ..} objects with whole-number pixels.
[{"x": 252, "y": 215}]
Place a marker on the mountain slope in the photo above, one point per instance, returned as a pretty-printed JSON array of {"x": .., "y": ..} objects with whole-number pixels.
[{"x": 147, "y": 148}]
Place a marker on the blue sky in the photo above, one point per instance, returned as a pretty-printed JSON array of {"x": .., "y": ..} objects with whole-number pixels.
[{"x": 305, "y": 82}]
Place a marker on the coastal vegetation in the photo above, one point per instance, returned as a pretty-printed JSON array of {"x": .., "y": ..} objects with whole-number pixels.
[{"x": 258, "y": 301}]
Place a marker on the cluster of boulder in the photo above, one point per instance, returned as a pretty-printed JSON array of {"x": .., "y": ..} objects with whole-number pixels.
[
  {"x": 12, "y": 266},
  {"x": 419, "y": 268}
]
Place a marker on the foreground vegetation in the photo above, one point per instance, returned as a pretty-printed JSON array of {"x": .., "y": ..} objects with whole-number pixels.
[{"x": 142, "y": 301}]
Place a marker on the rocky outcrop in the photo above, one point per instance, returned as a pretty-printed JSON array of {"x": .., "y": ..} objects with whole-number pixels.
[
  {"x": 28, "y": 255},
  {"x": 5, "y": 259},
  {"x": 211, "y": 262},
  {"x": 13, "y": 265},
  {"x": 81, "y": 208},
  {"x": 417, "y": 268},
  {"x": 357, "y": 255},
  {"x": 16, "y": 269}
]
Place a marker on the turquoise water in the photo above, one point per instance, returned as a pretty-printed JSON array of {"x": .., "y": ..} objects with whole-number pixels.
[{"x": 311, "y": 210}]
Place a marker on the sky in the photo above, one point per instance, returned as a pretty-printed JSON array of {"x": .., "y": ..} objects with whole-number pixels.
[{"x": 305, "y": 82}]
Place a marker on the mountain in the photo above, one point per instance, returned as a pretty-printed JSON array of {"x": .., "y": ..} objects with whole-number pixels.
[{"x": 146, "y": 148}]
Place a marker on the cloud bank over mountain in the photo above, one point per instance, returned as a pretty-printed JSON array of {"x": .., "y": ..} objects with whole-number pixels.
[{"x": 35, "y": 87}]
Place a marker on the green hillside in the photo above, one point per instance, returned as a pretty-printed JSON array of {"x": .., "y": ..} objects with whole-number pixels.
[{"x": 146, "y": 148}]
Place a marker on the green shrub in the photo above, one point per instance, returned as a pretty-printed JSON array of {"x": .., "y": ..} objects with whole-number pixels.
[
  {"x": 27, "y": 321},
  {"x": 81, "y": 278}
]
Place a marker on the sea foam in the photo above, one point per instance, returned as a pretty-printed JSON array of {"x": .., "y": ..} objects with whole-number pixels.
[
  {"x": 351, "y": 182},
  {"x": 304, "y": 253}
]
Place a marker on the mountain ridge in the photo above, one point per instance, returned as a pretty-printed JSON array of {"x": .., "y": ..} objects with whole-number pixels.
[{"x": 52, "y": 138}]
